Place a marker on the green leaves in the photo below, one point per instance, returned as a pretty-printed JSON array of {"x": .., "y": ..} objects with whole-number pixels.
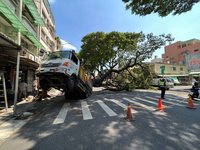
[
  {"x": 115, "y": 52},
  {"x": 162, "y": 7}
]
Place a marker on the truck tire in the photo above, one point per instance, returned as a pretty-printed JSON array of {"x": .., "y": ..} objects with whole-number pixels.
[
  {"x": 68, "y": 95},
  {"x": 70, "y": 84},
  {"x": 86, "y": 94}
]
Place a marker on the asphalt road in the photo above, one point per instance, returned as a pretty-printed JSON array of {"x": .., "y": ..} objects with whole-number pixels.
[{"x": 98, "y": 123}]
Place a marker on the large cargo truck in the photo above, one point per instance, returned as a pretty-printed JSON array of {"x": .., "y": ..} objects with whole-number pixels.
[{"x": 62, "y": 70}]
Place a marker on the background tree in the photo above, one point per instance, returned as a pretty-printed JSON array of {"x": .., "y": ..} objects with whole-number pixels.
[
  {"x": 162, "y": 7},
  {"x": 112, "y": 53}
]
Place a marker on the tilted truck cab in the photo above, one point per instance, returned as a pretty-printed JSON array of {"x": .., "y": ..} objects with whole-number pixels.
[{"x": 63, "y": 70}]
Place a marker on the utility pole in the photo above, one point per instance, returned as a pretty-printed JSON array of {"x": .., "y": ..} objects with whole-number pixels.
[{"x": 18, "y": 60}]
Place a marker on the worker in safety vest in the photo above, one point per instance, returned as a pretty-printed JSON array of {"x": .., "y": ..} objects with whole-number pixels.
[{"x": 162, "y": 85}]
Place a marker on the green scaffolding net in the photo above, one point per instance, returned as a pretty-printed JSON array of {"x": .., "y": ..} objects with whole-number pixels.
[
  {"x": 10, "y": 16},
  {"x": 33, "y": 10}
]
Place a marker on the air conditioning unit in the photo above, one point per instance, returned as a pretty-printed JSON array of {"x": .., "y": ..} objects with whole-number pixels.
[
  {"x": 37, "y": 59},
  {"x": 31, "y": 57}
]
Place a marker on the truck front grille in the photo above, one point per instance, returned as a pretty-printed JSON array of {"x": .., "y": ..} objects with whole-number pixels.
[{"x": 51, "y": 65}]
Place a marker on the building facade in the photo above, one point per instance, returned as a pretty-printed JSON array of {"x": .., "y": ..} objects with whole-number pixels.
[
  {"x": 193, "y": 64},
  {"x": 176, "y": 53},
  {"x": 176, "y": 72},
  {"x": 156, "y": 60},
  {"x": 46, "y": 32},
  {"x": 22, "y": 23},
  {"x": 185, "y": 53}
]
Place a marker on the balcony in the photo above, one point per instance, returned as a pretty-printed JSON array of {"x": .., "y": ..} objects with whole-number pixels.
[
  {"x": 11, "y": 5},
  {"x": 8, "y": 31},
  {"x": 29, "y": 26}
]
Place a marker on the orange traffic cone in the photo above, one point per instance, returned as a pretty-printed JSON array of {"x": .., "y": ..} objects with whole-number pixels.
[
  {"x": 190, "y": 102},
  {"x": 129, "y": 115},
  {"x": 160, "y": 107}
]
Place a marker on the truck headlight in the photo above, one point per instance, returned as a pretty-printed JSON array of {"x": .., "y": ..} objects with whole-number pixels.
[{"x": 66, "y": 64}]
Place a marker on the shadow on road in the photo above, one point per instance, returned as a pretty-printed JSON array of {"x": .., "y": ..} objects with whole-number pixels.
[{"x": 166, "y": 130}]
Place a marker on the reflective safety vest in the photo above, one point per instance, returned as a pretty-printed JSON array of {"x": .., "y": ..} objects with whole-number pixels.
[{"x": 162, "y": 83}]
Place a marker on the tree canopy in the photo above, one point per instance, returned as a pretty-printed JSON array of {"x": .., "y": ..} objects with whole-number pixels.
[
  {"x": 162, "y": 7},
  {"x": 115, "y": 52}
]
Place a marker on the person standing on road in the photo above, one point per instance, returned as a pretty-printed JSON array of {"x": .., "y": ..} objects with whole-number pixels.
[
  {"x": 23, "y": 88},
  {"x": 35, "y": 86},
  {"x": 162, "y": 85},
  {"x": 195, "y": 90}
]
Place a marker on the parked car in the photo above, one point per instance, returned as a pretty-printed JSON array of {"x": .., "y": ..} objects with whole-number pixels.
[
  {"x": 169, "y": 83},
  {"x": 175, "y": 80}
]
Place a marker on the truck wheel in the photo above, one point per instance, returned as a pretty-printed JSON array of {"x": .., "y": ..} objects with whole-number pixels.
[
  {"x": 68, "y": 95},
  {"x": 86, "y": 94},
  {"x": 70, "y": 83}
]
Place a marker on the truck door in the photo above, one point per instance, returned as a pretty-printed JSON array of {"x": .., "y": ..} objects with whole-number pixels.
[{"x": 75, "y": 64}]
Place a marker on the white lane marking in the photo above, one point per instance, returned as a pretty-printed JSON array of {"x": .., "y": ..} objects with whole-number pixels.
[
  {"x": 170, "y": 96},
  {"x": 62, "y": 114},
  {"x": 120, "y": 104},
  {"x": 109, "y": 111},
  {"x": 151, "y": 102},
  {"x": 86, "y": 111},
  {"x": 139, "y": 104},
  {"x": 153, "y": 98},
  {"x": 176, "y": 100}
]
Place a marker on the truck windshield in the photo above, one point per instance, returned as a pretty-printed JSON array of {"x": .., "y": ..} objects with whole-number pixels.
[{"x": 58, "y": 54}]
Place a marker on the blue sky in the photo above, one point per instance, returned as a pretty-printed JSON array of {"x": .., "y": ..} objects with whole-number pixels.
[{"x": 76, "y": 18}]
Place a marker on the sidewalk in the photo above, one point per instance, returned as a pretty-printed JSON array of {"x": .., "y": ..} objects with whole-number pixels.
[{"x": 25, "y": 110}]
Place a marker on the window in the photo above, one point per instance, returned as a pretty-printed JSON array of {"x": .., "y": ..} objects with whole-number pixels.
[
  {"x": 43, "y": 36},
  {"x": 183, "y": 45},
  {"x": 74, "y": 59},
  {"x": 174, "y": 68},
  {"x": 181, "y": 68}
]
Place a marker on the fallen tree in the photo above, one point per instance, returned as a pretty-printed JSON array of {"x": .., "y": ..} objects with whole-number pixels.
[{"x": 108, "y": 56}]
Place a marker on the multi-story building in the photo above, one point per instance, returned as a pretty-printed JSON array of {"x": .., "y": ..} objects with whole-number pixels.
[
  {"x": 28, "y": 26},
  {"x": 176, "y": 72},
  {"x": 185, "y": 53},
  {"x": 175, "y": 53},
  {"x": 47, "y": 31}
]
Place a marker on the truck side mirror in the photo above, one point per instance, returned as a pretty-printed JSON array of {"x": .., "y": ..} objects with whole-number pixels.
[
  {"x": 82, "y": 60},
  {"x": 41, "y": 52}
]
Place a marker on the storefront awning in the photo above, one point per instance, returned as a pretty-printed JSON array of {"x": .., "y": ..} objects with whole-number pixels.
[
  {"x": 6, "y": 43},
  {"x": 34, "y": 12},
  {"x": 27, "y": 62},
  {"x": 193, "y": 73},
  {"x": 175, "y": 75}
]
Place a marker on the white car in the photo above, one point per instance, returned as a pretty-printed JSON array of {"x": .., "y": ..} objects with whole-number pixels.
[{"x": 168, "y": 81}]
